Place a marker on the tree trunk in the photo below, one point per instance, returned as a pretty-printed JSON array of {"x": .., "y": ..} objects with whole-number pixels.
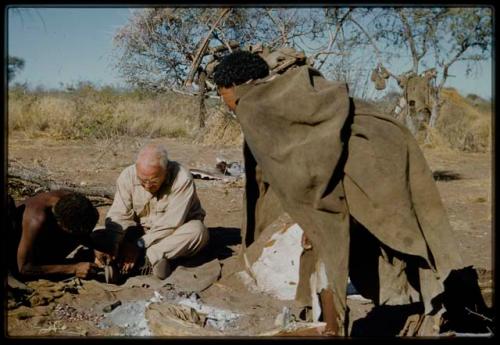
[
  {"x": 203, "y": 89},
  {"x": 410, "y": 124},
  {"x": 30, "y": 182},
  {"x": 436, "y": 107}
]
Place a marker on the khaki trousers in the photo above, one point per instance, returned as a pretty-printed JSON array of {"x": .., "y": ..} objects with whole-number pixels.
[{"x": 186, "y": 240}]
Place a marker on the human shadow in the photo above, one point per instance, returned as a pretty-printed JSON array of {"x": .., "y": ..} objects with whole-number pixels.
[
  {"x": 385, "y": 321},
  {"x": 465, "y": 310},
  {"x": 218, "y": 247}
]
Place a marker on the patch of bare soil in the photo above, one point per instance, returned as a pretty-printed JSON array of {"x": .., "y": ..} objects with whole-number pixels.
[
  {"x": 467, "y": 196},
  {"x": 464, "y": 184}
]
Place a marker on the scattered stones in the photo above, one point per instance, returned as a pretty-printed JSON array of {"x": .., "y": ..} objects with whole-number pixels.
[{"x": 68, "y": 313}]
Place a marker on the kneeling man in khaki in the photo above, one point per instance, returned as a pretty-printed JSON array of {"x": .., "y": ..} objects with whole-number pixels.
[{"x": 155, "y": 212}]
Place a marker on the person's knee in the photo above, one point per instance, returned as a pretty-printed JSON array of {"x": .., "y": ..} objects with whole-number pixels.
[
  {"x": 199, "y": 234},
  {"x": 196, "y": 229}
]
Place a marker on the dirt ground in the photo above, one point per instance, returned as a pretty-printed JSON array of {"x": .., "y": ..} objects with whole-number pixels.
[{"x": 464, "y": 183}]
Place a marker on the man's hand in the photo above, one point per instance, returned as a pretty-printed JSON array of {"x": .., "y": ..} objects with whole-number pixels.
[
  {"x": 129, "y": 253},
  {"x": 85, "y": 270},
  {"x": 102, "y": 258}
]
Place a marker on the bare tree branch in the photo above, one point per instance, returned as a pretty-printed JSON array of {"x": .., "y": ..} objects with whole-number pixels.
[
  {"x": 280, "y": 26},
  {"x": 370, "y": 38},
  {"x": 333, "y": 37},
  {"x": 409, "y": 37},
  {"x": 203, "y": 47},
  {"x": 46, "y": 183},
  {"x": 448, "y": 64}
]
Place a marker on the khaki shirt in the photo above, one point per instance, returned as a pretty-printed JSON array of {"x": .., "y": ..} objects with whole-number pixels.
[{"x": 175, "y": 203}]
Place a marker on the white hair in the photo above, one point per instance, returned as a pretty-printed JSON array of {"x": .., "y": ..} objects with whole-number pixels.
[{"x": 160, "y": 152}]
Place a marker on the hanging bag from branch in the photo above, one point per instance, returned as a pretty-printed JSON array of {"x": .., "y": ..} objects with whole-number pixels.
[
  {"x": 380, "y": 84},
  {"x": 378, "y": 79},
  {"x": 384, "y": 73}
]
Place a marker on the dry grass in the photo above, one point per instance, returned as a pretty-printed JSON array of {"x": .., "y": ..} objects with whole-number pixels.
[
  {"x": 432, "y": 138},
  {"x": 90, "y": 113},
  {"x": 465, "y": 126},
  {"x": 221, "y": 129},
  {"x": 464, "y": 123}
]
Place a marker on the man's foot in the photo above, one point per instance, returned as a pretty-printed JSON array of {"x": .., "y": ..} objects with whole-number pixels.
[{"x": 162, "y": 269}]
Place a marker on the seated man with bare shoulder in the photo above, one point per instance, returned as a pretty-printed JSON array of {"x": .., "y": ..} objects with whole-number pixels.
[
  {"x": 47, "y": 228},
  {"x": 156, "y": 216}
]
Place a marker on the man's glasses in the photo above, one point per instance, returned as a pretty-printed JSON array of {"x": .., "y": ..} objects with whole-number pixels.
[{"x": 150, "y": 182}]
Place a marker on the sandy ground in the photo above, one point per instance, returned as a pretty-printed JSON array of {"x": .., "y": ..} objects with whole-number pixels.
[{"x": 467, "y": 198}]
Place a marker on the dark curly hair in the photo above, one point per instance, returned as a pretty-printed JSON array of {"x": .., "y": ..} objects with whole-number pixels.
[
  {"x": 76, "y": 213},
  {"x": 239, "y": 67}
]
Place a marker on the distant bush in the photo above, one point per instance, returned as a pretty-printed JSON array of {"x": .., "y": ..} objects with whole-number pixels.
[
  {"x": 464, "y": 122},
  {"x": 479, "y": 103}
]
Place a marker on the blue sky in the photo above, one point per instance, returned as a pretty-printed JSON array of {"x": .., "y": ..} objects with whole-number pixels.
[
  {"x": 65, "y": 45},
  {"x": 72, "y": 44}
]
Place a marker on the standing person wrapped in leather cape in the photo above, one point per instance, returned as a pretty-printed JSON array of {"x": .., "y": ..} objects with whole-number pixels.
[{"x": 354, "y": 180}]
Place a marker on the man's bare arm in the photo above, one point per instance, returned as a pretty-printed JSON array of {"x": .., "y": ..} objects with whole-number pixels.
[
  {"x": 80, "y": 269},
  {"x": 33, "y": 222}
]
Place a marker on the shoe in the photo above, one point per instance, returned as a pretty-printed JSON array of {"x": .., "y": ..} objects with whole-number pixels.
[{"x": 162, "y": 269}]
